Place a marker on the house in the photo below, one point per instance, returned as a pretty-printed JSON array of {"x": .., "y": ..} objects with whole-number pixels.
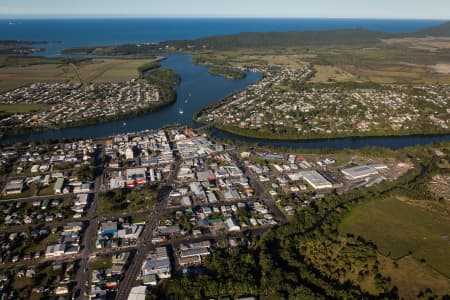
[
  {"x": 61, "y": 290},
  {"x": 35, "y": 168},
  {"x": 232, "y": 225},
  {"x": 82, "y": 199},
  {"x": 83, "y": 188},
  {"x": 14, "y": 187},
  {"x": 59, "y": 186},
  {"x": 74, "y": 226}
]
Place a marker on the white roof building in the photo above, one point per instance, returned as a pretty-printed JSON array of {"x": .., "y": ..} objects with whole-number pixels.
[
  {"x": 137, "y": 293},
  {"x": 232, "y": 224},
  {"x": 360, "y": 172}
]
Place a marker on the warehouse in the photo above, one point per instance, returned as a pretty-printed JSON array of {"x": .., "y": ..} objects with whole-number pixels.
[
  {"x": 315, "y": 179},
  {"x": 360, "y": 172}
]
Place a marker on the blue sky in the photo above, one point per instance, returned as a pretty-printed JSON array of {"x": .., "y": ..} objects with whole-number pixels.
[{"x": 405, "y": 9}]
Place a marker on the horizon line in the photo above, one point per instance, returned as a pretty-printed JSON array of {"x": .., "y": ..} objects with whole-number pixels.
[{"x": 87, "y": 17}]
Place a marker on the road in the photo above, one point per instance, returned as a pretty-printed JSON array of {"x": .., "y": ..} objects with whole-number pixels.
[
  {"x": 263, "y": 196},
  {"x": 89, "y": 234},
  {"x": 144, "y": 245}
]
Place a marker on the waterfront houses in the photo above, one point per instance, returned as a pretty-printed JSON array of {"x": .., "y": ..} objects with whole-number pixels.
[
  {"x": 66, "y": 104},
  {"x": 281, "y": 105}
]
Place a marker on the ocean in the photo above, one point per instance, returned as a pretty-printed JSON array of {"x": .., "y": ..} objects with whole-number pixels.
[{"x": 88, "y": 32}]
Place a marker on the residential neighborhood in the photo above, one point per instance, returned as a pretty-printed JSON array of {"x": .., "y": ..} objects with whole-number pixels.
[
  {"x": 66, "y": 104},
  {"x": 278, "y": 106}
]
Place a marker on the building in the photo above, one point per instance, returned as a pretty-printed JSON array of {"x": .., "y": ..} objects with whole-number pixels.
[
  {"x": 137, "y": 293},
  {"x": 136, "y": 176},
  {"x": 132, "y": 232},
  {"x": 157, "y": 264},
  {"x": 129, "y": 153},
  {"x": 315, "y": 179},
  {"x": 59, "y": 186},
  {"x": 232, "y": 225},
  {"x": 14, "y": 187},
  {"x": 108, "y": 228},
  {"x": 360, "y": 172}
]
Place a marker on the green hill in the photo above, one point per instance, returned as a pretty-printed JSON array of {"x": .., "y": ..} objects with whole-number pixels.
[
  {"x": 265, "y": 40},
  {"x": 442, "y": 30},
  {"x": 272, "y": 40}
]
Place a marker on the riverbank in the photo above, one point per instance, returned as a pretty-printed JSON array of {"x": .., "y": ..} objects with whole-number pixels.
[
  {"x": 255, "y": 135},
  {"x": 171, "y": 98}
]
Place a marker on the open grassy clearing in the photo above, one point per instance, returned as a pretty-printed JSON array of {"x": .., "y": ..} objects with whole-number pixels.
[
  {"x": 385, "y": 63},
  {"x": 12, "y": 77},
  {"x": 111, "y": 69},
  {"x": 399, "y": 229},
  {"x": 411, "y": 277},
  {"x": 7, "y": 109},
  {"x": 329, "y": 74},
  {"x": 432, "y": 44},
  {"x": 288, "y": 58},
  {"x": 100, "y": 263},
  {"x": 18, "y": 72},
  {"x": 117, "y": 202}
]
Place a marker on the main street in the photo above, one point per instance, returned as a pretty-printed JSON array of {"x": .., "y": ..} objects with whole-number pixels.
[
  {"x": 90, "y": 232},
  {"x": 144, "y": 245}
]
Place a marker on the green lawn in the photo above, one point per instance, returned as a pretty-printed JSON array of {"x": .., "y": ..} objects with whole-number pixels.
[
  {"x": 398, "y": 228},
  {"x": 117, "y": 202},
  {"x": 101, "y": 263}
]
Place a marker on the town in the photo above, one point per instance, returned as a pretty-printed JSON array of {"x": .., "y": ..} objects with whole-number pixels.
[
  {"x": 71, "y": 104},
  {"x": 117, "y": 216},
  {"x": 281, "y": 106}
]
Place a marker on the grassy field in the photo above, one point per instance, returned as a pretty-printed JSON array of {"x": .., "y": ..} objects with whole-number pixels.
[
  {"x": 328, "y": 74},
  {"x": 390, "y": 62},
  {"x": 8, "y": 109},
  {"x": 115, "y": 203},
  {"x": 411, "y": 276},
  {"x": 111, "y": 69},
  {"x": 15, "y": 76},
  {"x": 23, "y": 71},
  {"x": 399, "y": 229},
  {"x": 100, "y": 263}
]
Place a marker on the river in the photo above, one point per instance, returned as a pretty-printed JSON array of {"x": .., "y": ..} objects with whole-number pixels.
[{"x": 198, "y": 89}]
